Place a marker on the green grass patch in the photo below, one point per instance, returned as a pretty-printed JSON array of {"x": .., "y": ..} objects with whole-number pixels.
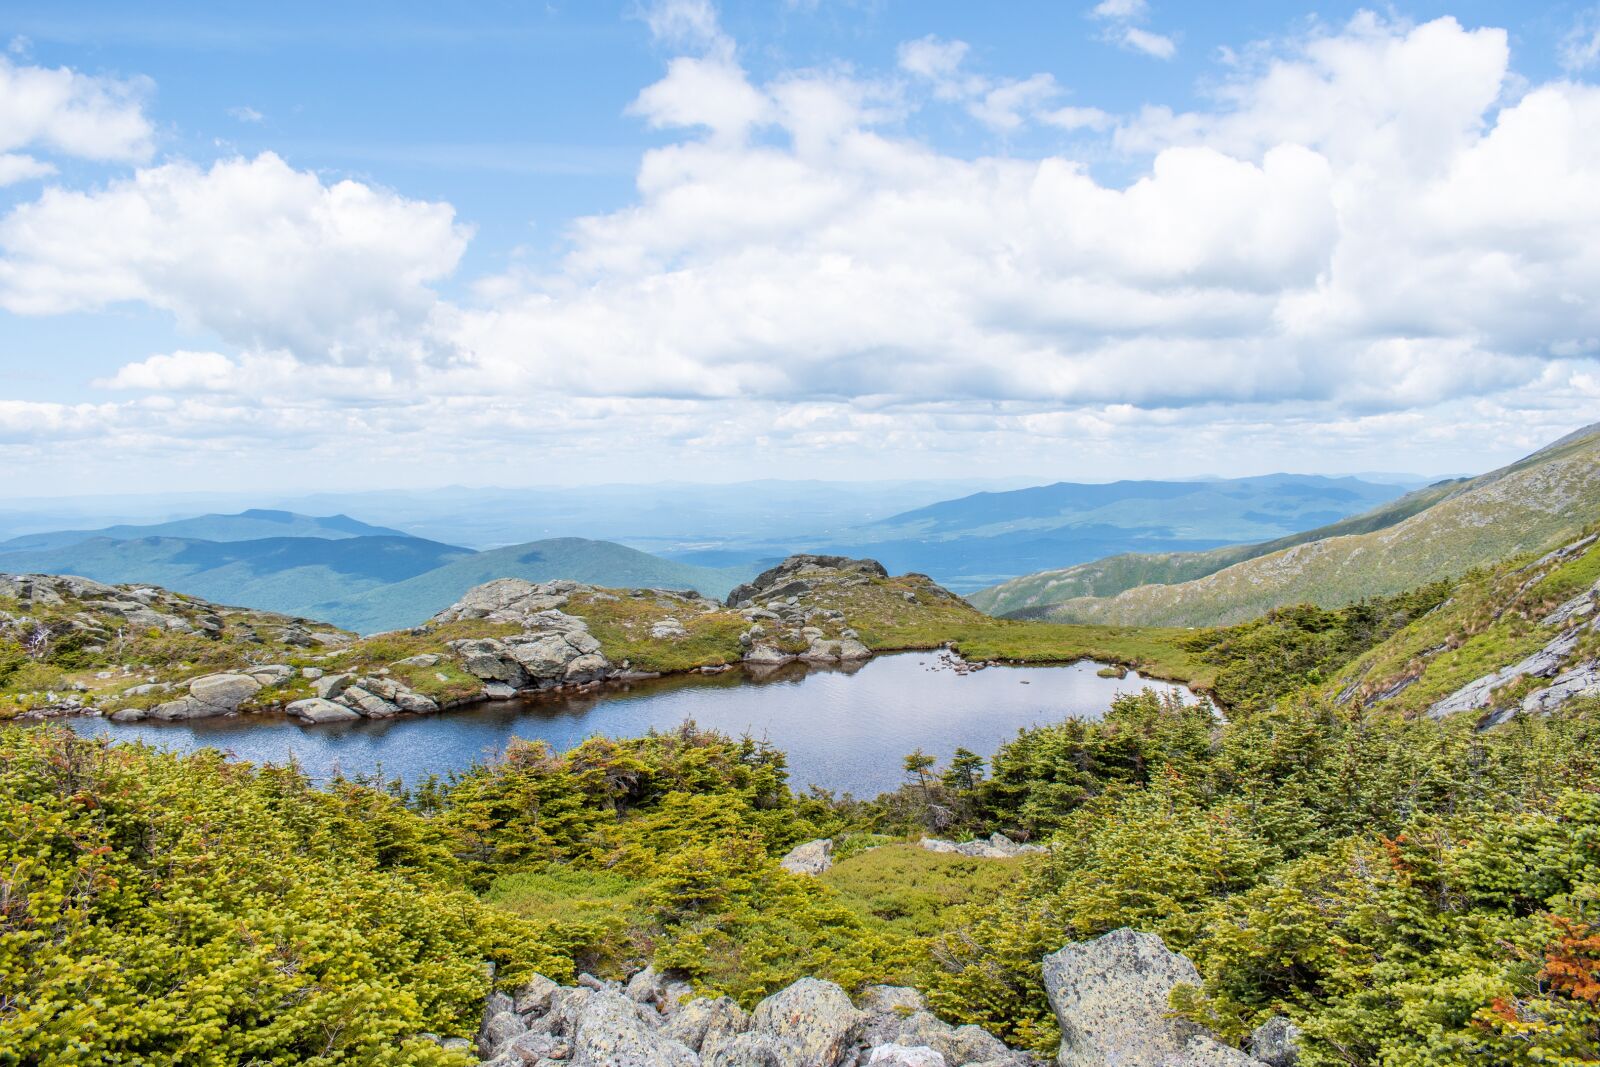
[{"x": 909, "y": 891}]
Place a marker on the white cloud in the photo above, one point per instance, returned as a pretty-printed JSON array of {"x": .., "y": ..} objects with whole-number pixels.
[
  {"x": 931, "y": 58},
  {"x": 1123, "y": 18},
  {"x": 1363, "y": 240},
  {"x": 1120, "y": 9},
  {"x": 246, "y": 114},
  {"x": 72, "y": 113},
  {"x": 1151, "y": 44},
  {"x": 250, "y": 249},
  {"x": 1004, "y": 105},
  {"x": 1078, "y": 118},
  {"x": 16, "y": 167},
  {"x": 1580, "y": 48}
]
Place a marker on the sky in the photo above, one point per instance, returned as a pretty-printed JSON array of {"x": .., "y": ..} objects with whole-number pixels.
[{"x": 407, "y": 245}]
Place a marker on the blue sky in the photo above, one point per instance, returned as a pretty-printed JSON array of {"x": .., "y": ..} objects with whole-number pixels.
[{"x": 462, "y": 315}]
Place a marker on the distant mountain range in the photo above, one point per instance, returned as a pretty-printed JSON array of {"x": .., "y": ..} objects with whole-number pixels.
[
  {"x": 974, "y": 540},
  {"x": 251, "y": 525},
  {"x": 1437, "y": 532},
  {"x": 332, "y": 569},
  {"x": 369, "y": 577}
]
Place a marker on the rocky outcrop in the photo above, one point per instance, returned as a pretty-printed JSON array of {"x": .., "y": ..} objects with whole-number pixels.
[
  {"x": 1110, "y": 997},
  {"x": 996, "y": 846},
  {"x": 789, "y": 578},
  {"x": 654, "y": 1022},
  {"x": 1477, "y": 694},
  {"x": 800, "y": 610},
  {"x": 510, "y": 600},
  {"x": 556, "y": 649},
  {"x": 812, "y": 857}
]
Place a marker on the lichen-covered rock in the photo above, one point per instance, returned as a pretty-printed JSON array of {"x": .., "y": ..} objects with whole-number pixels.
[
  {"x": 891, "y": 999},
  {"x": 702, "y": 1021},
  {"x": 367, "y": 703},
  {"x": 1110, "y": 997},
  {"x": 508, "y": 600},
  {"x": 906, "y": 1056},
  {"x": 812, "y": 857},
  {"x": 544, "y": 656},
  {"x": 957, "y": 1044},
  {"x": 489, "y": 660},
  {"x": 1276, "y": 1042},
  {"x": 816, "y": 1016},
  {"x": 613, "y": 1031},
  {"x": 534, "y": 996},
  {"x": 752, "y": 1050},
  {"x": 500, "y": 1028}
]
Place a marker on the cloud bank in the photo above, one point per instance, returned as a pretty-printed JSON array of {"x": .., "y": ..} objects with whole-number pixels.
[{"x": 1372, "y": 240}]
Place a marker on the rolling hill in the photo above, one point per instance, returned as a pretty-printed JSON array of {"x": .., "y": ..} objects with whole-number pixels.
[
  {"x": 284, "y": 574},
  {"x": 254, "y": 524},
  {"x": 331, "y": 570},
  {"x": 1519, "y": 508},
  {"x": 412, "y": 601}
]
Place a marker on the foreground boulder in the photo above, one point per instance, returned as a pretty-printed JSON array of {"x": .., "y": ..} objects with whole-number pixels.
[
  {"x": 654, "y": 1022},
  {"x": 1110, "y": 996}
]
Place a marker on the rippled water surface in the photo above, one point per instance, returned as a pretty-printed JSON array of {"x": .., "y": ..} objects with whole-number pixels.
[{"x": 845, "y": 730}]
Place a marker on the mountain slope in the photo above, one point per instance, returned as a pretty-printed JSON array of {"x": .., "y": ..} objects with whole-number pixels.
[
  {"x": 1523, "y": 507},
  {"x": 251, "y": 525},
  {"x": 1114, "y": 574},
  {"x": 410, "y": 602},
  {"x": 1520, "y": 637},
  {"x": 972, "y": 541}
]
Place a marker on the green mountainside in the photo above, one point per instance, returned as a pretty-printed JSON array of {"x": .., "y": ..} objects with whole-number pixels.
[
  {"x": 1523, "y": 507},
  {"x": 288, "y": 574},
  {"x": 1114, "y": 574},
  {"x": 409, "y": 602}
]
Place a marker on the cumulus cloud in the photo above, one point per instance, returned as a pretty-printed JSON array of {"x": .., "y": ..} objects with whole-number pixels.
[
  {"x": 1363, "y": 237},
  {"x": 72, "y": 113},
  {"x": 252, "y": 250}
]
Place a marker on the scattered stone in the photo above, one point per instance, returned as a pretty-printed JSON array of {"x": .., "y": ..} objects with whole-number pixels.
[
  {"x": 331, "y": 685},
  {"x": 810, "y": 858},
  {"x": 996, "y": 847},
  {"x": 317, "y": 710}
]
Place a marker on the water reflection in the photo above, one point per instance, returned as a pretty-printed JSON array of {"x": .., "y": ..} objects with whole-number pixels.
[{"x": 844, "y": 728}]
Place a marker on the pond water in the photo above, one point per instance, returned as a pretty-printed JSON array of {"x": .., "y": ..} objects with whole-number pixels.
[{"x": 844, "y": 730}]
